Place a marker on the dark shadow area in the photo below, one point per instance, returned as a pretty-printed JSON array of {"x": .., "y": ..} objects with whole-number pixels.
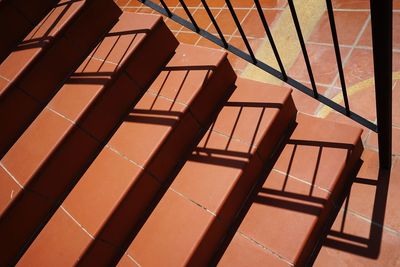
[
  {"x": 130, "y": 214},
  {"x": 70, "y": 157},
  {"x": 307, "y": 203},
  {"x": 365, "y": 247}
]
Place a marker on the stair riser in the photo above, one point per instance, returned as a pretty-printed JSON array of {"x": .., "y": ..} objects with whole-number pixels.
[
  {"x": 23, "y": 16},
  {"x": 42, "y": 78}
]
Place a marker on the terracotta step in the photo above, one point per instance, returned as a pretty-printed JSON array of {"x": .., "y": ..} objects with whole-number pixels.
[
  {"x": 288, "y": 213},
  {"x": 104, "y": 208},
  {"x": 187, "y": 226},
  {"x": 76, "y": 122},
  {"x": 17, "y": 18},
  {"x": 34, "y": 70}
]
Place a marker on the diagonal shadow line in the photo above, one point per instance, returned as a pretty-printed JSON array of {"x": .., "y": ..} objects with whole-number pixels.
[
  {"x": 289, "y": 167},
  {"x": 91, "y": 74},
  {"x": 120, "y": 33},
  {"x": 59, "y": 17},
  {"x": 126, "y": 50},
  {"x": 210, "y": 151},
  {"x": 234, "y": 128},
  {"x": 349, "y": 237},
  {"x": 293, "y": 195},
  {"x": 108, "y": 53},
  {"x": 370, "y": 247},
  {"x": 321, "y": 143},
  {"x": 179, "y": 90},
  {"x": 288, "y": 205},
  {"x": 152, "y": 120},
  {"x": 92, "y": 81},
  {"x": 159, "y": 91},
  {"x": 156, "y": 112},
  {"x": 253, "y": 104},
  {"x": 315, "y": 171},
  {"x": 220, "y": 161},
  {"x": 198, "y": 67},
  {"x": 39, "y": 44},
  {"x": 253, "y": 140},
  {"x": 209, "y": 133},
  {"x": 43, "y": 21}
]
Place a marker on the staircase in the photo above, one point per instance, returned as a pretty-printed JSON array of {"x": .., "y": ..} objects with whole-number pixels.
[{"x": 120, "y": 146}]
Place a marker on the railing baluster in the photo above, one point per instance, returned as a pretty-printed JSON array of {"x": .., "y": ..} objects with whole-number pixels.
[
  {"x": 189, "y": 15},
  {"x": 166, "y": 8},
  {"x": 303, "y": 46},
  {"x": 214, "y": 22},
  {"x": 244, "y": 38},
  {"x": 381, "y": 22},
  {"x": 337, "y": 54},
  {"x": 270, "y": 38}
]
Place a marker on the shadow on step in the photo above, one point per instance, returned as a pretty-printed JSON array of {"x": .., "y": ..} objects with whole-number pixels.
[
  {"x": 365, "y": 245},
  {"x": 296, "y": 181},
  {"x": 55, "y": 166}
]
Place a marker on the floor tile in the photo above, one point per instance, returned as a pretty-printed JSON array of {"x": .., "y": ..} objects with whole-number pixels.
[
  {"x": 358, "y": 244},
  {"x": 348, "y": 25},
  {"x": 366, "y": 37},
  {"x": 323, "y": 63},
  {"x": 252, "y": 24}
]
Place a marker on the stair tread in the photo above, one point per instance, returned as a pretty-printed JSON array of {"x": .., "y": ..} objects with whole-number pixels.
[
  {"x": 192, "y": 218},
  {"x": 298, "y": 191},
  {"x": 44, "y": 68},
  {"x": 36, "y": 41},
  {"x": 128, "y": 167},
  {"x": 73, "y": 120}
]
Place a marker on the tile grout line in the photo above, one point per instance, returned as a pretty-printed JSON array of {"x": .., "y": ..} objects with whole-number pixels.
[
  {"x": 76, "y": 221},
  {"x": 132, "y": 259},
  {"x": 345, "y": 61},
  {"x": 275, "y": 254},
  {"x": 241, "y": 22},
  {"x": 301, "y": 180},
  {"x": 11, "y": 175},
  {"x": 209, "y": 25}
]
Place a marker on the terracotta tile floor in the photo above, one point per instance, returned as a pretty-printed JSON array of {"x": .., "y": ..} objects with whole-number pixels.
[{"x": 367, "y": 232}]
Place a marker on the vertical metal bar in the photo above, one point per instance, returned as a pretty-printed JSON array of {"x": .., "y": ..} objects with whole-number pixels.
[
  {"x": 381, "y": 22},
  {"x": 303, "y": 46},
  {"x": 270, "y": 38},
  {"x": 244, "y": 38},
  {"x": 189, "y": 15},
  {"x": 337, "y": 53},
  {"x": 166, "y": 8},
  {"x": 214, "y": 22}
]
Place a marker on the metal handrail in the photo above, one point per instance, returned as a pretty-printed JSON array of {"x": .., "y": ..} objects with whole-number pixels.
[{"x": 381, "y": 20}]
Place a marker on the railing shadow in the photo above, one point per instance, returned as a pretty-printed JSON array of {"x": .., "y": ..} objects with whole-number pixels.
[
  {"x": 368, "y": 247},
  {"x": 299, "y": 201},
  {"x": 59, "y": 172},
  {"x": 131, "y": 212}
]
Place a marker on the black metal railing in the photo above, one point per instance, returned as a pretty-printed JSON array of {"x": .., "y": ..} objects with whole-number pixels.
[{"x": 381, "y": 20}]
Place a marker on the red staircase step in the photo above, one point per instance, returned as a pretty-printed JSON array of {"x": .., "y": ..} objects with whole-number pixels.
[
  {"x": 289, "y": 212},
  {"x": 77, "y": 120},
  {"x": 49, "y": 53},
  {"x": 17, "y": 18},
  {"x": 192, "y": 218},
  {"x": 103, "y": 209}
]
